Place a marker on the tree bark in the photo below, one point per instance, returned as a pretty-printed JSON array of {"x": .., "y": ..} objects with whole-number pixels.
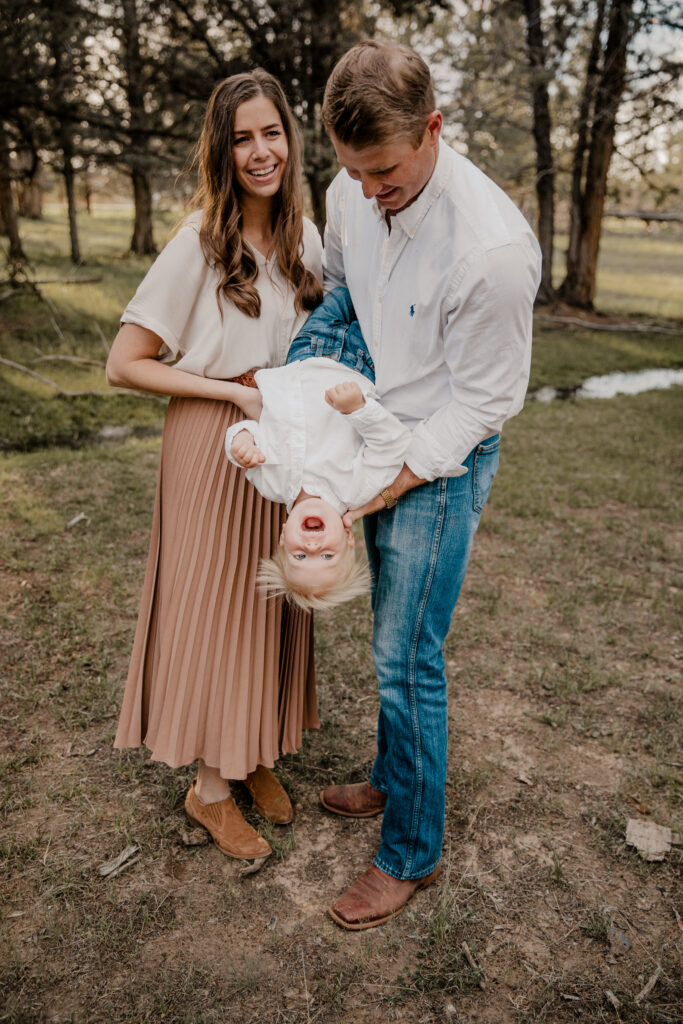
[
  {"x": 588, "y": 202},
  {"x": 142, "y": 241},
  {"x": 317, "y": 193},
  {"x": 70, "y": 184},
  {"x": 586, "y": 111},
  {"x": 8, "y": 212},
  {"x": 29, "y": 185},
  {"x": 62, "y": 75},
  {"x": 30, "y": 199},
  {"x": 545, "y": 168}
]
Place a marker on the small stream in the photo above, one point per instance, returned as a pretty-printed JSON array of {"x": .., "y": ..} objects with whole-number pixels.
[{"x": 611, "y": 384}]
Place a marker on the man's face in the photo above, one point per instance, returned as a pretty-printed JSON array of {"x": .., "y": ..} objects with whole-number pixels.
[{"x": 393, "y": 173}]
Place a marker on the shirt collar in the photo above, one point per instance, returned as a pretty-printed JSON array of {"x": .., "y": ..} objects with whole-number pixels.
[{"x": 410, "y": 219}]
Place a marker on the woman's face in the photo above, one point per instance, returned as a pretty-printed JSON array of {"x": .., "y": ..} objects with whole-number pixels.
[{"x": 260, "y": 148}]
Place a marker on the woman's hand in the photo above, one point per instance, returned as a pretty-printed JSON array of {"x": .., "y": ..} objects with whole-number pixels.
[
  {"x": 243, "y": 449},
  {"x": 250, "y": 402},
  {"x": 405, "y": 481}
]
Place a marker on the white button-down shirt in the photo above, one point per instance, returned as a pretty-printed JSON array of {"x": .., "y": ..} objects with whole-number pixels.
[
  {"x": 308, "y": 445},
  {"x": 444, "y": 302}
]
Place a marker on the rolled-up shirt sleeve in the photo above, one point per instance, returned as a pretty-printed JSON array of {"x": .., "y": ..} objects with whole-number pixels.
[
  {"x": 232, "y": 432},
  {"x": 487, "y": 349}
]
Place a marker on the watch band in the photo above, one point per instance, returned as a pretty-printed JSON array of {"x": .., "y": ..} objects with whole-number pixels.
[{"x": 389, "y": 499}]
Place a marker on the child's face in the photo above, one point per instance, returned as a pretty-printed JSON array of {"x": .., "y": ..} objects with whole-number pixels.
[{"x": 316, "y": 544}]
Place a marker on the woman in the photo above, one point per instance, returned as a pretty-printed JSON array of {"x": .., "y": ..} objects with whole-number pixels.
[{"x": 217, "y": 672}]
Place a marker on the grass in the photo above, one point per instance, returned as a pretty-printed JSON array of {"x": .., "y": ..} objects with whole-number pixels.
[
  {"x": 563, "y": 670},
  {"x": 639, "y": 269},
  {"x": 74, "y": 320}
]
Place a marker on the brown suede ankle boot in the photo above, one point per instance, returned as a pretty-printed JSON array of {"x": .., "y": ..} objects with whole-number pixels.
[{"x": 223, "y": 820}]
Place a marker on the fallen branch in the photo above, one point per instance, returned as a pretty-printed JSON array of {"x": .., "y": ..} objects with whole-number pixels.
[
  {"x": 126, "y": 859},
  {"x": 69, "y": 280},
  {"x": 80, "y": 518},
  {"x": 75, "y": 394},
  {"x": 474, "y": 965},
  {"x": 80, "y": 360},
  {"x": 612, "y": 998},
  {"x": 45, "y": 380},
  {"x": 644, "y": 992},
  {"x": 661, "y": 216},
  {"x": 22, "y": 290},
  {"x": 593, "y": 326}
]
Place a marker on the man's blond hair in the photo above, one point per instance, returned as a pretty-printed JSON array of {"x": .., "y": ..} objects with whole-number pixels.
[
  {"x": 354, "y": 580},
  {"x": 378, "y": 92}
]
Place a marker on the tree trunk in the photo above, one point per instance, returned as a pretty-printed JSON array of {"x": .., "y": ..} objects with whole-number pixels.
[
  {"x": 8, "y": 213},
  {"x": 29, "y": 187},
  {"x": 317, "y": 191},
  {"x": 586, "y": 111},
  {"x": 142, "y": 242},
  {"x": 30, "y": 199},
  {"x": 578, "y": 288},
  {"x": 545, "y": 169},
  {"x": 320, "y": 167},
  {"x": 70, "y": 183}
]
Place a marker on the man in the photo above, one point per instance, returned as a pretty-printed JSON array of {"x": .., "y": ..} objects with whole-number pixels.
[{"x": 442, "y": 270}]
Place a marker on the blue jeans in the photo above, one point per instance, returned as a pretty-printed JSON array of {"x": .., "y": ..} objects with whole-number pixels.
[
  {"x": 418, "y": 554},
  {"x": 333, "y": 331}
]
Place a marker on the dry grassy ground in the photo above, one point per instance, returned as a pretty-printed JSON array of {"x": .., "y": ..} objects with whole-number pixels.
[{"x": 564, "y": 675}]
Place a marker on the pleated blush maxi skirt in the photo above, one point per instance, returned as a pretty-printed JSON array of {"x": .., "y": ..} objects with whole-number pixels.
[{"x": 217, "y": 670}]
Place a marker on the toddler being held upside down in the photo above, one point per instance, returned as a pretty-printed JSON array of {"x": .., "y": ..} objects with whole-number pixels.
[{"x": 322, "y": 444}]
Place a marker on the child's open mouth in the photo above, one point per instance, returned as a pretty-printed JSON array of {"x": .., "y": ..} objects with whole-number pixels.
[{"x": 312, "y": 523}]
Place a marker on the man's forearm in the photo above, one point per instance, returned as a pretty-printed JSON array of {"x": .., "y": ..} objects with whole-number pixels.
[{"x": 404, "y": 482}]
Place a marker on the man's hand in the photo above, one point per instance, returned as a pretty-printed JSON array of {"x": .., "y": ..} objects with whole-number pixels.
[
  {"x": 243, "y": 449},
  {"x": 346, "y": 397},
  {"x": 405, "y": 481}
]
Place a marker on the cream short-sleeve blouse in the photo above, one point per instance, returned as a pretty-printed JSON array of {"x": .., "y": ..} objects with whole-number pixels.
[{"x": 177, "y": 300}]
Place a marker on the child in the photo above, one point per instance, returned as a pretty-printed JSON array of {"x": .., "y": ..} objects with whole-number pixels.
[{"x": 322, "y": 444}]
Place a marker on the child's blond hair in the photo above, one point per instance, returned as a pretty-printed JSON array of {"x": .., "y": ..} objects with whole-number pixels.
[{"x": 354, "y": 580}]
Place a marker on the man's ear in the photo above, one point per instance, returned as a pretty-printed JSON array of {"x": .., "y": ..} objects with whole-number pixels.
[
  {"x": 282, "y": 536},
  {"x": 434, "y": 125},
  {"x": 350, "y": 539}
]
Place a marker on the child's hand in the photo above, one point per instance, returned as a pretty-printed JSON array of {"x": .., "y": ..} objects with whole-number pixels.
[
  {"x": 346, "y": 397},
  {"x": 243, "y": 450}
]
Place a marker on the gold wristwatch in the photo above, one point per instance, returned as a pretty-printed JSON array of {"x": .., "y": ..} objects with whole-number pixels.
[{"x": 389, "y": 499}]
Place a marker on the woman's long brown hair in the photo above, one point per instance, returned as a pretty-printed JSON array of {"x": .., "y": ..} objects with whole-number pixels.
[{"x": 218, "y": 196}]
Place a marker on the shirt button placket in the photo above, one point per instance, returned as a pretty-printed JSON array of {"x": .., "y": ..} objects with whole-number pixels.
[{"x": 377, "y": 312}]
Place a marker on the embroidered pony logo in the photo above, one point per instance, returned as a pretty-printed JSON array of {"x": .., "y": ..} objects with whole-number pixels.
[{"x": 412, "y": 310}]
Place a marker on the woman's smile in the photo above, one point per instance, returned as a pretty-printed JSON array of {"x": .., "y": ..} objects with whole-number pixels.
[{"x": 260, "y": 148}]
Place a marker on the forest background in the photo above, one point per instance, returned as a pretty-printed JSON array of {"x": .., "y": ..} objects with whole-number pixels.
[{"x": 538, "y": 95}]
